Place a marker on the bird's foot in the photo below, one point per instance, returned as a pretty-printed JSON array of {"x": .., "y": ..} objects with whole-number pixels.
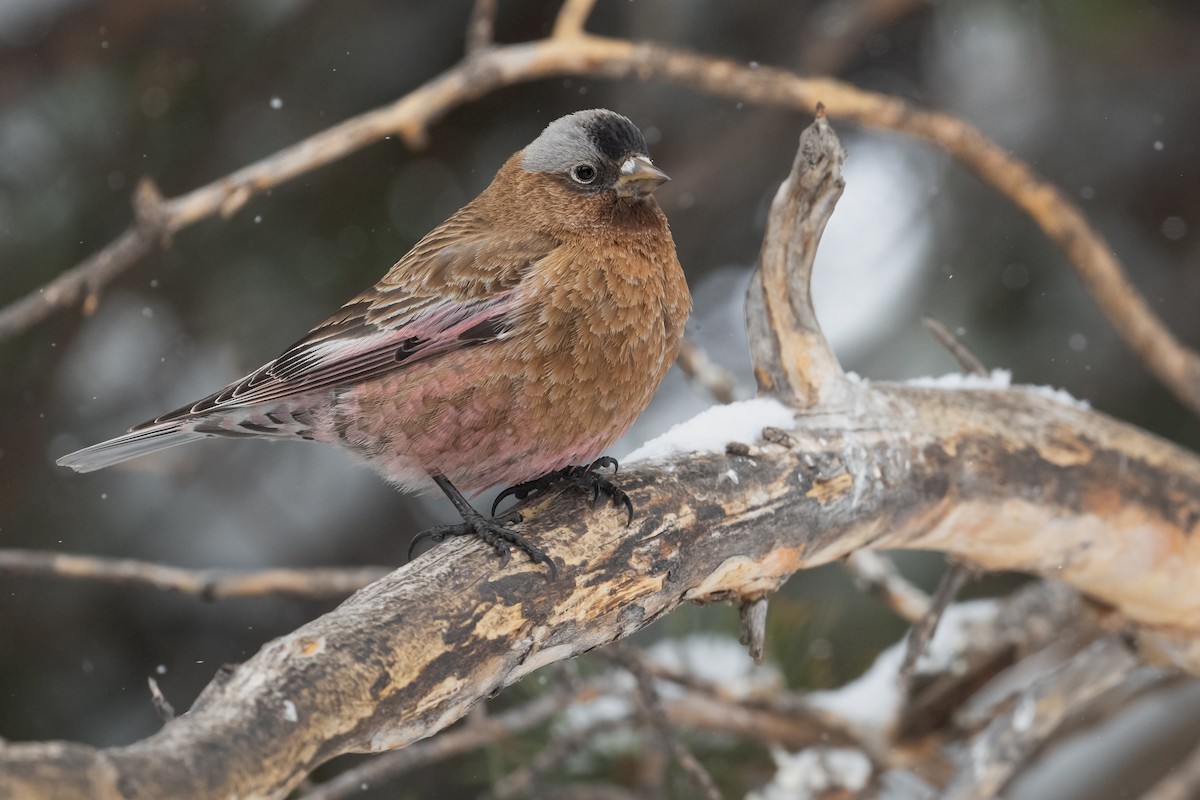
[
  {"x": 492, "y": 531},
  {"x": 585, "y": 477}
]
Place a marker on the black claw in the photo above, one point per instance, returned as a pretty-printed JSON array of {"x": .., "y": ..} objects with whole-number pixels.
[
  {"x": 584, "y": 477},
  {"x": 492, "y": 531}
]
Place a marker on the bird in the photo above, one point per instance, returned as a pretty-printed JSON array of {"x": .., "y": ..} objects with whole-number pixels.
[{"x": 513, "y": 344}]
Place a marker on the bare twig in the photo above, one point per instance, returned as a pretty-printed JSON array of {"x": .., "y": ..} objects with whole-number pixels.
[
  {"x": 476, "y": 733},
  {"x": 481, "y": 28},
  {"x": 1002, "y": 748},
  {"x": 162, "y": 706},
  {"x": 85, "y": 280},
  {"x": 652, "y": 703},
  {"x": 571, "y": 18},
  {"x": 209, "y": 584},
  {"x": 704, "y": 372},
  {"x": 875, "y": 573},
  {"x": 922, "y": 632},
  {"x": 967, "y": 360},
  {"x": 852, "y": 24},
  {"x": 521, "y": 782},
  {"x": 753, "y": 616}
]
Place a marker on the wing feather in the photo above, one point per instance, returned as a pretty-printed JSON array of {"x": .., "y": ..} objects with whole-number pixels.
[{"x": 456, "y": 288}]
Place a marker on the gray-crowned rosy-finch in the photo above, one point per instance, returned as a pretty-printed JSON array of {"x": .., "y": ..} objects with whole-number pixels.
[{"x": 516, "y": 341}]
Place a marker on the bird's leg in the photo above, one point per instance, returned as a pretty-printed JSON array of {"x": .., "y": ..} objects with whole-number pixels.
[
  {"x": 491, "y": 530},
  {"x": 585, "y": 477}
]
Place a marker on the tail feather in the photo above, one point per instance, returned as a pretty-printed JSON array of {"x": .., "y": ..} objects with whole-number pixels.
[{"x": 133, "y": 444}]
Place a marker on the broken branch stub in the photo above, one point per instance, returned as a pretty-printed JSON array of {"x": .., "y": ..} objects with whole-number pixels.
[{"x": 792, "y": 359}]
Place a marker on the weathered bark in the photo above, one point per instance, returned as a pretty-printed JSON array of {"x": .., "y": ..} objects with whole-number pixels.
[{"x": 1005, "y": 479}]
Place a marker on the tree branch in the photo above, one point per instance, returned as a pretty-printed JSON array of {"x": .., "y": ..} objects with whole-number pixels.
[
  {"x": 1005, "y": 479},
  {"x": 792, "y": 359},
  {"x": 209, "y": 584}
]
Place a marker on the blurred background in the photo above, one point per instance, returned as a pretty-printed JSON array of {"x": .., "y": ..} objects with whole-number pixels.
[{"x": 1101, "y": 96}]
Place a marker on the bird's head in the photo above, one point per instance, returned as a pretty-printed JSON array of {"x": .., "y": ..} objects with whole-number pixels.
[{"x": 594, "y": 152}]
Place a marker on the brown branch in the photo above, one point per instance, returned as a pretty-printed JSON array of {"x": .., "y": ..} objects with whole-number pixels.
[
  {"x": 876, "y": 574},
  {"x": 856, "y": 22},
  {"x": 992, "y": 759},
  {"x": 84, "y": 280},
  {"x": 967, "y": 361},
  {"x": 471, "y": 736},
  {"x": 792, "y": 358},
  {"x": 522, "y": 782},
  {"x": 752, "y": 617},
  {"x": 571, "y": 18},
  {"x": 652, "y": 705},
  {"x": 209, "y": 584},
  {"x": 922, "y": 632},
  {"x": 704, "y": 372},
  {"x": 571, "y": 51},
  {"x": 481, "y": 28}
]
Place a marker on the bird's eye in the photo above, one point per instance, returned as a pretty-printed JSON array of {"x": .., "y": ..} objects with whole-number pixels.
[{"x": 583, "y": 173}]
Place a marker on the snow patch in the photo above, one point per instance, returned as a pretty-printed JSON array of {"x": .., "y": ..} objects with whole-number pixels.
[
  {"x": 872, "y": 700},
  {"x": 997, "y": 379},
  {"x": 814, "y": 772},
  {"x": 1059, "y": 395},
  {"x": 712, "y": 429},
  {"x": 955, "y": 632}
]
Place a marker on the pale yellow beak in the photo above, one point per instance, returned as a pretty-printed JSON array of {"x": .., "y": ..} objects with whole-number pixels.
[{"x": 639, "y": 177}]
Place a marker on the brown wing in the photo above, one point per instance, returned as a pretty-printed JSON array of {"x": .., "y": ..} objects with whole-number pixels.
[{"x": 454, "y": 289}]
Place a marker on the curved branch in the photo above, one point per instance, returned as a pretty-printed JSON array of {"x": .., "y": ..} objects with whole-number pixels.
[
  {"x": 571, "y": 51},
  {"x": 1005, "y": 479},
  {"x": 792, "y": 358}
]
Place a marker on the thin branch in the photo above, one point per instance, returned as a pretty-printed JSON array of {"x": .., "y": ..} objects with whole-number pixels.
[
  {"x": 652, "y": 703},
  {"x": 476, "y": 733},
  {"x": 162, "y": 706},
  {"x": 704, "y": 372},
  {"x": 481, "y": 28},
  {"x": 967, "y": 360},
  {"x": 875, "y": 573},
  {"x": 853, "y": 24},
  {"x": 991, "y": 760},
  {"x": 752, "y": 616},
  {"x": 209, "y": 584},
  {"x": 572, "y": 18},
  {"x": 571, "y": 51},
  {"x": 521, "y": 782},
  {"x": 82, "y": 281},
  {"x": 922, "y": 632}
]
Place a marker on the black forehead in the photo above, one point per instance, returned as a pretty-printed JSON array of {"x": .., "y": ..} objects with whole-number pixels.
[{"x": 614, "y": 136}]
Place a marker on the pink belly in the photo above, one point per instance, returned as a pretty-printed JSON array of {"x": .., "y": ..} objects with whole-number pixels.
[{"x": 478, "y": 430}]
